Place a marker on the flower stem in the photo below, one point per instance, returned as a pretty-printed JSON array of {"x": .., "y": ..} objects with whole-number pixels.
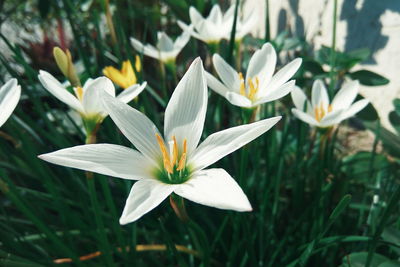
[
  {"x": 163, "y": 80},
  {"x": 104, "y": 242}
]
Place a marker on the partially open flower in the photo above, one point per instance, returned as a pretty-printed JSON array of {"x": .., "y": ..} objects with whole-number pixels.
[
  {"x": 260, "y": 85},
  {"x": 86, "y": 99},
  {"x": 10, "y": 93},
  {"x": 320, "y": 112},
  {"x": 166, "y": 50},
  {"x": 126, "y": 77},
  {"x": 173, "y": 162},
  {"x": 217, "y": 26}
]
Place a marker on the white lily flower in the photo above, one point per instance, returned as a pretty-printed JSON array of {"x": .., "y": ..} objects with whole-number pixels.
[
  {"x": 217, "y": 26},
  {"x": 320, "y": 112},
  {"x": 166, "y": 50},
  {"x": 87, "y": 100},
  {"x": 175, "y": 163},
  {"x": 260, "y": 85},
  {"x": 10, "y": 93}
]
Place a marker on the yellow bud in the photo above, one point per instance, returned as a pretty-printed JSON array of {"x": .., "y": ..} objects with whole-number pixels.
[{"x": 64, "y": 63}]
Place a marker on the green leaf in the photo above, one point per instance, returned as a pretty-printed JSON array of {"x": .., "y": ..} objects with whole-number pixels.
[
  {"x": 392, "y": 235},
  {"x": 369, "y": 78},
  {"x": 312, "y": 66},
  {"x": 390, "y": 264},
  {"x": 368, "y": 113},
  {"x": 361, "y": 54},
  {"x": 358, "y": 259},
  {"x": 357, "y": 166}
]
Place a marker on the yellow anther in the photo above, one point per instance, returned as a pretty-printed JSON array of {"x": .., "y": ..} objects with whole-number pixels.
[
  {"x": 253, "y": 89},
  {"x": 174, "y": 152},
  {"x": 165, "y": 154},
  {"x": 242, "y": 90},
  {"x": 171, "y": 160},
  {"x": 320, "y": 112},
  {"x": 79, "y": 93},
  {"x": 182, "y": 160}
]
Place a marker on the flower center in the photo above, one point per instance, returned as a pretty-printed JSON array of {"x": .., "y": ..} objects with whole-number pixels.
[
  {"x": 252, "y": 89},
  {"x": 175, "y": 170},
  {"x": 320, "y": 112}
]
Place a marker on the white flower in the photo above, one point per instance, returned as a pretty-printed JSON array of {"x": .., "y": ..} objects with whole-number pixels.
[
  {"x": 166, "y": 50},
  {"x": 218, "y": 26},
  {"x": 320, "y": 112},
  {"x": 87, "y": 100},
  {"x": 9, "y": 97},
  {"x": 260, "y": 85},
  {"x": 175, "y": 163}
]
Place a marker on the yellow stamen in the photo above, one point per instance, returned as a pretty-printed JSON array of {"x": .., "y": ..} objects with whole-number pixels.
[
  {"x": 320, "y": 112},
  {"x": 170, "y": 161},
  {"x": 174, "y": 152},
  {"x": 182, "y": 161},
  {"x": 253, "y": 89},
  {"x": 242, "y": 85},
  {"x": 166, "y": 159},
  {"x": 79, "y": 93}
]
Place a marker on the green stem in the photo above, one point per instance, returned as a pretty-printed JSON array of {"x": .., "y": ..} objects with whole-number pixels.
[
  {"x": 233, "y": 33},
  {"x": 164, "y": 80},
  {"x": 104, "y": 242},
  {"x": 267, "y": 23}
]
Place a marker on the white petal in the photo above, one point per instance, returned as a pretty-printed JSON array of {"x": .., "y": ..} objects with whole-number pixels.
[
  {"x": 137, "y": 45},
  {"x": 131, "y": 92},
  {"x": 211, "y": 32},
  {"x": 186, "y": 110},
  {"x": 262, "y": 65},
  {"x": 195, "y": 16},
  {"x": 145, "y": 195},
  {"x": 319, "y": 94},
  {"x": 214, "y": 188},
  {"x": 139, "y": 129},
  {"x": 107, "y": 159},
  {"x": 346, "y": 95},
  {"x": 164, "y": 43},
  {"x": 220, "y": 144},
  {"x": 56, "y": 89},
  {"x": 181, "y": 41},
  {"x": 299, "y": 98},
  {"x": 91, "y": 98},
  {"x": 238, "y": 100},
  {"x": 215, "y": 15},
  {"x": 332, "y": 118},
  {"x": 305, "y": 117},
  {"x": 355, "y": 108},
  {"x": 227, "y": 74},
  {"x": 277, "y": 93},
  {"x": 247, "y": 25},
  {"x": 148, "y": 50},
  {"x": 283, "y": 75},
  {"x": 10, "y": 93},
  {"x": 216, "y": 85},
  {"x": 228, "y": 16},
  {"x": 188, "y": 28}
]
